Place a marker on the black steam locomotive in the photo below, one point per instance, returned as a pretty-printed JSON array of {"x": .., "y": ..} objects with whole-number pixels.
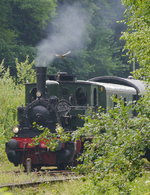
[{"x": 60, "y": 99}]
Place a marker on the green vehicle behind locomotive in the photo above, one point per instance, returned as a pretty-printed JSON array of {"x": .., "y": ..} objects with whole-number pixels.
[{"x": 59, "y": 99}]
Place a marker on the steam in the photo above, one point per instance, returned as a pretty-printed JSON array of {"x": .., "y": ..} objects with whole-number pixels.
[{"x": 69, "y": 33}]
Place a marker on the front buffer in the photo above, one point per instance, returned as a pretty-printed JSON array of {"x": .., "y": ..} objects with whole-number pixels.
[{"x": 22, "y": 151}]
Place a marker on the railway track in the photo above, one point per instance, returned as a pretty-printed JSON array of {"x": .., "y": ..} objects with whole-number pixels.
[
  {"x": 51, "y": 172},
  {"x": 56, "y": 176},
  {"x": 32, "y": 184}
]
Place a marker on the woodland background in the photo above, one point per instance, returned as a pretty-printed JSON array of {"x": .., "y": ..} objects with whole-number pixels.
[
  {"x": 25, "y": 23},
  {"x": 112, "y": 49}
]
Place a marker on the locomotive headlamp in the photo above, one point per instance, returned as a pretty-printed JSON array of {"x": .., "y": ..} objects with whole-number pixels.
[
  {"x": 16, "y": 129},
  {"x": 38, "y": 94}
]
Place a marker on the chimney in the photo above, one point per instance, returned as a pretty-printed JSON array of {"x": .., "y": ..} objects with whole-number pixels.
[{"x": 41, "y": 80}]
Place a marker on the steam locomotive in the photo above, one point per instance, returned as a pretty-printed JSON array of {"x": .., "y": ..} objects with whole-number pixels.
[{"x": 60, "y": 99}]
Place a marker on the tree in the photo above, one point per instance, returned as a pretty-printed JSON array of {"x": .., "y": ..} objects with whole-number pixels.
[
  {"x": 34, "y": 15},
  {"x": 23, "y": 24},
  {"x": 113, "y": 155},
  {"x": 102, "y": 54},
  {"x": 138, "y": 35},
  {"x": 119, "y": 141},
  {"x": 7, "y": 35}
]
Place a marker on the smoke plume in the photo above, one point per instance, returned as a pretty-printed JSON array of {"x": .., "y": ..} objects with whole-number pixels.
[{"x": 69, "y": 33}]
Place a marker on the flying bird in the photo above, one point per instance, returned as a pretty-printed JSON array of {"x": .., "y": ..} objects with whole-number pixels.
[{"x": 63, "y": 55}]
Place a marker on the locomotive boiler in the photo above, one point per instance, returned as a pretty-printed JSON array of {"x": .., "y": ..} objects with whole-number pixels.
[{"x": 60, "y": 99}]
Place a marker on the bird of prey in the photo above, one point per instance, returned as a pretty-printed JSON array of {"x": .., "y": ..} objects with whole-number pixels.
[{"x": 63, "y": 55}]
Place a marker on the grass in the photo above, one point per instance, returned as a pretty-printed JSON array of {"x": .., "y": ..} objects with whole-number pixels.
[
  {"x": 140, "y": 186},
  {"x": 11, "y": 174}
]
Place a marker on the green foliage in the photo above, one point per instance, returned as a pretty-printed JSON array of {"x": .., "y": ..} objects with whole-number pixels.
[
  {"x": 117, "y": 145},
  {"x": 51, "y": 139},
  {"x": 12, "y": 96},
  {"x": 9, "y": 102},
  {"x": 106, "y": 186},
  {"x": 80, "y": 187},
  {"x": 102, "y": 54},
  {"x": 23, "y": 25},
  {"x": 4, "y": 191},
  {"x": 34, "y": 17},
  {"x": 138, "y": 35},
  {"x": 25, "y": 71}
]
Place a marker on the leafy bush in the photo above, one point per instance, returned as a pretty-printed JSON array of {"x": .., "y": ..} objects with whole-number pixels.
[
  {"x": 25, "y": 71},
  {"x": 51, "y": 139},
  {"x": 113, "y": 155},
  {"x": 12, "y": 96}
]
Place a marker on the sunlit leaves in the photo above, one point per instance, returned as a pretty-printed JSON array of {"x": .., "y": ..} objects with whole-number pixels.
[
  {"x": 138, "y": 35},
  {"x": 52, "y": 140},
  {"x": 25, "y": 71},
  {"x": 10, "y": 98},
  {"x": 117, "y": 143}
]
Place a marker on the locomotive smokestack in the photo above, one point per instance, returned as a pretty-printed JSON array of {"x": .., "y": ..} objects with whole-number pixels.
[{"x": 41, "y": 79}]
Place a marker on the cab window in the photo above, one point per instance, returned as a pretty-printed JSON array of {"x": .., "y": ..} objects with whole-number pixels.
[{"x": 81, "y": 96}]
